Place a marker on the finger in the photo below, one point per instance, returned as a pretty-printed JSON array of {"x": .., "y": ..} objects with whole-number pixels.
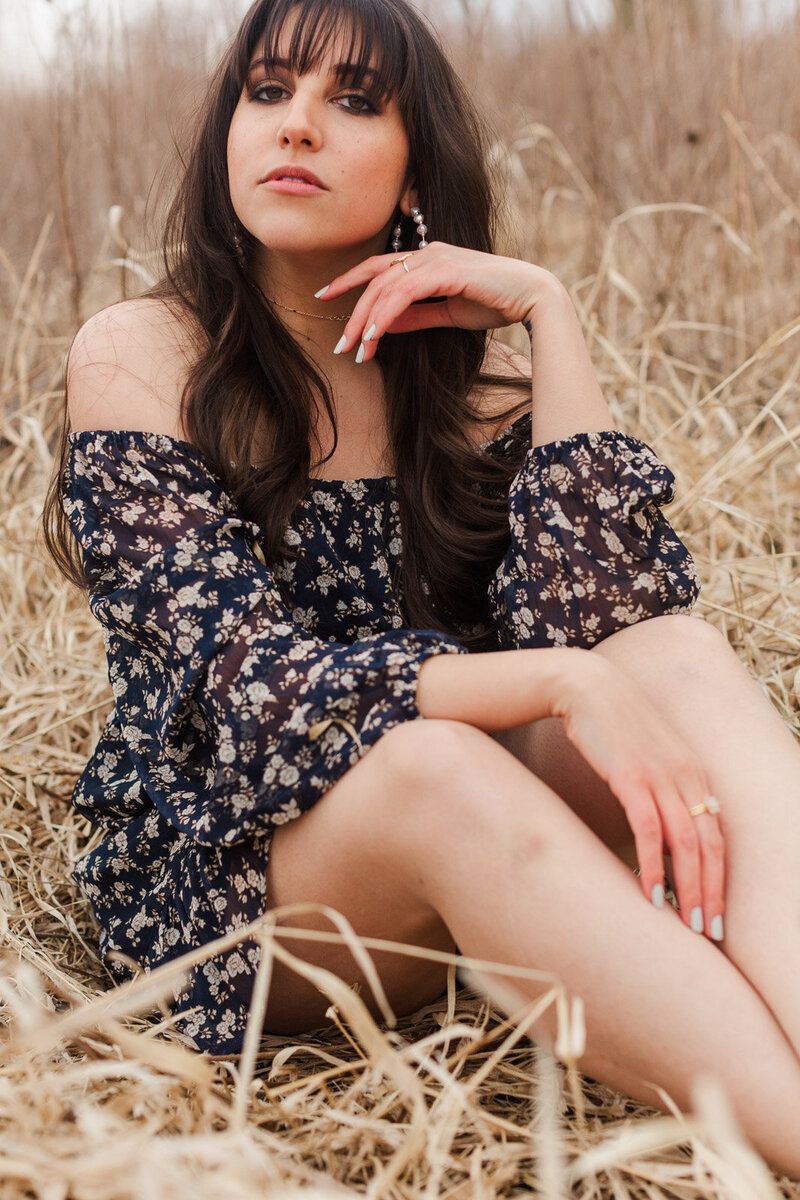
[
  {"x": 423, "y": 316},
  {"x": 681, "y": 835},
  {"x": 369, "y": 270},
  {"x": 387, "y": 301},
  {"x": 645, "y": 822},
  {"x": 356, "y": 276},
  {"x": 694, "y": 790},
  {"x": 361, "y": 323},
  {"x": 712, "y": 855},
  {"x": 712, "y": 851},
  {"x": 411, "y": 317}
]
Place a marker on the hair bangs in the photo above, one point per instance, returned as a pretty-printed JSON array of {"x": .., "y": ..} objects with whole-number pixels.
[
  {"x": 251, "y": 377},
  {"x": 373, "y": 43}
]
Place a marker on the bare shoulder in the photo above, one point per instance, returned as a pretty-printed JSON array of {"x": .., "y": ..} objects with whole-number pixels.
[
  {"x": 502, "y": 360},
  {"x": 127, "y": 367}
]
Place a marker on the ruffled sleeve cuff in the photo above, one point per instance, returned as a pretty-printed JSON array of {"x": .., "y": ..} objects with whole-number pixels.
[{"x": 590, "y": 551}]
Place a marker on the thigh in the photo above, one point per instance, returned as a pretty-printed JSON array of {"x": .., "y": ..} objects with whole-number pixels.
[
  {"x": 543, "y": 747},
  {"x": 700, "y": 686},
  {"x": 355, "y": 851}
]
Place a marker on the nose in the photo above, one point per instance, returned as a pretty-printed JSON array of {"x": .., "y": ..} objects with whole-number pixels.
[{"x": 300, "y": 126}]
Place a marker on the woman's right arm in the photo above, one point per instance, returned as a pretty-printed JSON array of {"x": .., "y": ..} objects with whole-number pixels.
[
  {"x": 230, "y": 716},
  {"x": 616, "y": 729}
]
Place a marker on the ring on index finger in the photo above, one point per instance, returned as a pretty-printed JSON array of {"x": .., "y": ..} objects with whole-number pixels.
[
  {"x": 403, "y": 261},
  {"x": 709, "y": 805}
]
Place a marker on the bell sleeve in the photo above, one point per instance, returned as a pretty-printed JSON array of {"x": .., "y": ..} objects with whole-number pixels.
[
  {"x": 234, "y": 717},
  {"x": 590, "y": 549}
]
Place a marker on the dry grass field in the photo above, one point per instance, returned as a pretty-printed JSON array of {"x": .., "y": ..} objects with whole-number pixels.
[{"x": 655, "y": 168}]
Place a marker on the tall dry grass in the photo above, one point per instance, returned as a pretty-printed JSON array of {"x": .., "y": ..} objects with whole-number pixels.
[{"x": 655, "y": 169}]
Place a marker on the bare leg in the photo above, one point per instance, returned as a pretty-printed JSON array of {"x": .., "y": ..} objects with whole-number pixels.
[
  {"x": 440, "y": 811},
  {"x": 691, "y": 674}
]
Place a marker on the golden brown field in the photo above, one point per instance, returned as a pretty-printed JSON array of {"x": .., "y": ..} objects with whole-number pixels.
[{"x": 655, "y": 168}]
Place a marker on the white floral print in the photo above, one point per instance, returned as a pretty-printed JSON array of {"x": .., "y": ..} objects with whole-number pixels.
[{"x": 234, "y": 685}]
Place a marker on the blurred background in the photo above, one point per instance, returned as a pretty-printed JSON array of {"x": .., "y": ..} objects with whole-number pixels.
[
  {"x": 647, "y": 152},
  {"x": 598, "y": 106}
]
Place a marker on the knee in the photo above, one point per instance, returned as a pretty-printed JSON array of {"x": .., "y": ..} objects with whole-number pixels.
[
  {"x": 688, "y": 641},
  {"x": 443, "y": 775},
  {"x": 455, "y": 788},
  {"x": 461, "y": 797},
  {"x": 432, "y": 754},
  {"x": 677, "y": 646}
]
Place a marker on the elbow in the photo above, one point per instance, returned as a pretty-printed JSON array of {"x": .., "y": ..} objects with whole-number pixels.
[{"x": 679, "y": 585}]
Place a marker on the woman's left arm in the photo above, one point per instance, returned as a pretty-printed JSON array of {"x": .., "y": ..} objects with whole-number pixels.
[
  {"x": 590, "y": 549},
  {"x": 483, "y": 291},
  {"x": 567, "y": 398}
]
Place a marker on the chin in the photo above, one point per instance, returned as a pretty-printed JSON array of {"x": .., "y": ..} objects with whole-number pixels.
[
  {"x": 311, "y": 237},
  {"x": 313, "y": 245}
]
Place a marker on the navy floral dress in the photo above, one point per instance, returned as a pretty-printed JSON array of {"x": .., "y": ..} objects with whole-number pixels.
[{"x": 243, "y": 694}]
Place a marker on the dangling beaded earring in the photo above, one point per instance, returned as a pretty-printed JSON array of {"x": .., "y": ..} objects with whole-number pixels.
[
  {"x": 239, "y": 248},
  {"x": 422, "y": 230}
]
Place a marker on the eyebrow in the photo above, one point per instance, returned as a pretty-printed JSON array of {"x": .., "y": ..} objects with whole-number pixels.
[{"x": 342, "y": 70}]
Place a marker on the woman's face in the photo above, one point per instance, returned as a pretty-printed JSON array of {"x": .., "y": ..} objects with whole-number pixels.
[{"x": 357, "y": 151}]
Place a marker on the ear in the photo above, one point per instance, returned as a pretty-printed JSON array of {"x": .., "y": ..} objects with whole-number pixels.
[{"x": 409, "y": 200}]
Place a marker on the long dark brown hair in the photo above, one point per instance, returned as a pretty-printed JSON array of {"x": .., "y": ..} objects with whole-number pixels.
[{"x": 251, "y": 373}]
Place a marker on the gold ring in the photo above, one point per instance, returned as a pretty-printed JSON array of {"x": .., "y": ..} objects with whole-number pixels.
[
  {"x": 403, "y": 261},
  {"x": 709, "y": 805}
]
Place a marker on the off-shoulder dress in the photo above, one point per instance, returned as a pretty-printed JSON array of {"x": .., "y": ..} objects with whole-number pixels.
[{"x": 242, "y": 694}]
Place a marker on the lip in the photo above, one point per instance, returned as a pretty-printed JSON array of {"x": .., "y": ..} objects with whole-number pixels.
[{"x": 298, "y": 175}]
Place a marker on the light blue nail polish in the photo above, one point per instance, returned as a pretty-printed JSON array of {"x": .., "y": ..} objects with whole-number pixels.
[
  {"x": 658, "y": 895},
  {"x": 321, "y": 291},
  {"x": 370, "y": 334},
  {"x": 361, "y": 352},
  {"x": 339, "y": 347},
  {"x": 716, "y": 929},
  {"x": 697, "y": 919}
]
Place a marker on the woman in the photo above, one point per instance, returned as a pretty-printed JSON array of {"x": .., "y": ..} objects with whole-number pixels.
[{"x": 274, "y": 625}]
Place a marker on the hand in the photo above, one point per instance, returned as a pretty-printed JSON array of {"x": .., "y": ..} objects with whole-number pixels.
[
  {"x": 655, "y": 777},
  {"x": 478, "y": 290}
]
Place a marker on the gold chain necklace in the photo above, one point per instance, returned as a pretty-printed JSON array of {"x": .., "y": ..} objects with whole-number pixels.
[
  {"x": 319, "y": 316},
  {"x": 300, "y": 313}
]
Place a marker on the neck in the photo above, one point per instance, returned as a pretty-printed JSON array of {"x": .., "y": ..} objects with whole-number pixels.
[
  {"x": 290, "y": 280},
  {"x": 356, "y": 388}
]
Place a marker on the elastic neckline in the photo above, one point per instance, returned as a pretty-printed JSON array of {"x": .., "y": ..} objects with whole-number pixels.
[
  {"x": 80, "y": 435},
  {"x": 127, "y": 435}
]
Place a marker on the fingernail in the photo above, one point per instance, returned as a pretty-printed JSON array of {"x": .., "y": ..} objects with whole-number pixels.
[
  {"x": 716, "y": 929},
  {"x": 321, "y": 291},
  {"x": 697, "y": 919},
  {"x": 658, "y": 895},
  {"x": 361, "y": 352},
  {"x": 370, "y": 334},
  {"x": 340, "y": 345}
]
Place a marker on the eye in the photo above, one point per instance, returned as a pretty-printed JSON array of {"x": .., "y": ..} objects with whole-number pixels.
[
  {"x": 257, "y": 92},
  {"x": 270, "y": 93},
  {"x": 362, "y": 100}
]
